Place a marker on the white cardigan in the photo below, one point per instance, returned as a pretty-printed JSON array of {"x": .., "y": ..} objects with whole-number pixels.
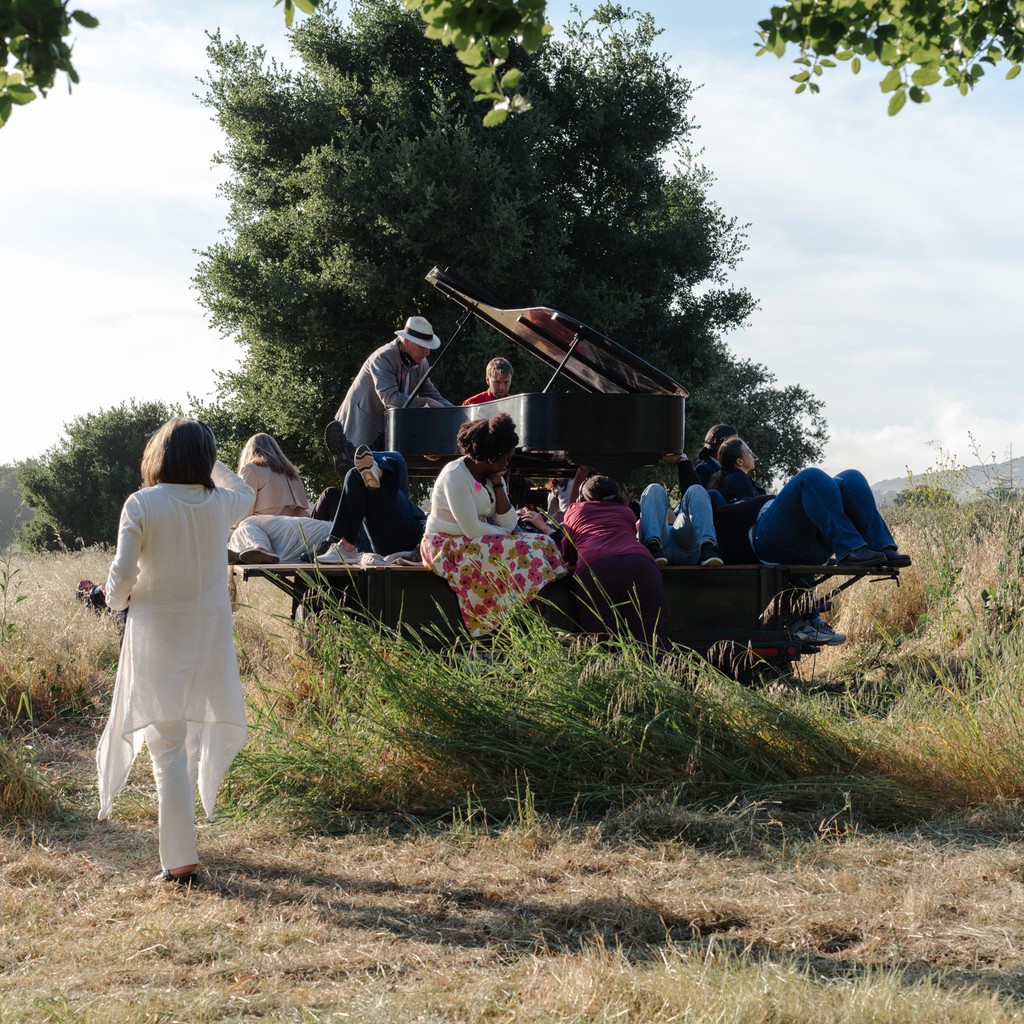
[
  {"x": 178, "y": 660},
  {"x": 463, "y": 506}
]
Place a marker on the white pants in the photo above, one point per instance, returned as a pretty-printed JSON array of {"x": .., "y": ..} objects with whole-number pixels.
[
  {"x": 291, "y": 538},
  {"x": 175, "y": 780}
]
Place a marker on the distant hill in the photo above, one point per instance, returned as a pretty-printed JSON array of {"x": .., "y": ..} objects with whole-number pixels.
[{"x": 969, "y": 483}]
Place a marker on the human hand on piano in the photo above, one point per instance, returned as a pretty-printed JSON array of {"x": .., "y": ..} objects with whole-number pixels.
[{"x": 431, "y": 403}]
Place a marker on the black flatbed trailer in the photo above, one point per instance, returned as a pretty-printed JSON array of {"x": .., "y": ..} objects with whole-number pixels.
[{"x": 735, "y": 615}]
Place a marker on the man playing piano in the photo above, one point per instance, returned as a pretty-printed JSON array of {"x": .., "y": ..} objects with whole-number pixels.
[
  {"x": 384, "y": 381},
  {"x": 499, "y": 382}
]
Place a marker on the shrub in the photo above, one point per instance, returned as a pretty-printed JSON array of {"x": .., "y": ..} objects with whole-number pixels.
[{"x": 77, "y": 488}]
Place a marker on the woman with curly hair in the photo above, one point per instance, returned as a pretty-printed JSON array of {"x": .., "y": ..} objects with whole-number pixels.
[{"x": 469, "y": 538}]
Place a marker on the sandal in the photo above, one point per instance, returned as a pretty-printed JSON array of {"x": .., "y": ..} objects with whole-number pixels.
[{"x": 189, "y": 879}]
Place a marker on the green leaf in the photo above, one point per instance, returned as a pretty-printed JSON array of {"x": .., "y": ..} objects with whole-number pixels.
[
  {"x": 800, "y": 88},
  {"x": 1013, "y": 72},
  {"x": 84, "y": 19},
  {"x": 896, "y": 103},
  {"x": 893, "y": 80},
  {"x": 495, "y": 117},
  {"x": 482, "y": 81},
  {"x": 925, "y": 76},
  {"x": 510, "y": 80},
  {"x": 855, "y": 65},
  {"x": 801, "y": 77},
  {"x": 21, "y": 94}
]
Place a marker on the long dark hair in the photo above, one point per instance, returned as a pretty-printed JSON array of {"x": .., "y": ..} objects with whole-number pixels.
[
  {"x": 713, "y": 440},
  {"x": 728, "y": 455}
]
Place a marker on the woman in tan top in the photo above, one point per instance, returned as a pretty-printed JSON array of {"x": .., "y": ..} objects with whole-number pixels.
[
  {"x": 271, "y": 526},
  {"x": 274, "y": 478}
]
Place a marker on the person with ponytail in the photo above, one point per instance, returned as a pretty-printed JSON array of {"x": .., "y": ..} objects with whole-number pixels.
[
  {"x": 707, "y": 463},
  {"x": 736, "y": 462}
]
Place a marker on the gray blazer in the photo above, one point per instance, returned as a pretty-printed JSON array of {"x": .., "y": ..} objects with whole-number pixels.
[{"x": 381, "y": 383}]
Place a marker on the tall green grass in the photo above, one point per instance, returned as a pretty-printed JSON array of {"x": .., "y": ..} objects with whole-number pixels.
[
  {"x": 24, "y": 795},
  {"x": 378, "y": 721},
  {"x": 385, "y": 722}
]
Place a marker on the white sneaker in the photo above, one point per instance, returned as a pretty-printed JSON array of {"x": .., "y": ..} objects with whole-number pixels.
[{"x": 337, "y": 555}]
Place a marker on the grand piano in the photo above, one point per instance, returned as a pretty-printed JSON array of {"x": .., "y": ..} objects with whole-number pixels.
[{"x": 604, "y": 406}]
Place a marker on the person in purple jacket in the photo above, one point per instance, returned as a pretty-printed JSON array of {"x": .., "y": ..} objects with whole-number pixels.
[{"x": 617, "y": 581}]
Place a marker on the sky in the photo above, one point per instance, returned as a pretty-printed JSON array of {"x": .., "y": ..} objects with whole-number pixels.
[{"x": 884, "y": 252}]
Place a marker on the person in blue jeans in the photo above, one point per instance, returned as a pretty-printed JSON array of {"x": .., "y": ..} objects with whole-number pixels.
[
  {"x": 816, "y": 517},
  {"x": 374, "y": 510},
  {"x": 690, "y": 538},
  {"x": 813, "y": 519}
]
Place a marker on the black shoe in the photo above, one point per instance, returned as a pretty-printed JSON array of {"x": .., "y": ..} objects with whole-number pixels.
[
  {"x": 257, "y": 556},
  {"x": 338, "y": 445},
  {"x": 895, "y": 559},
  {"x": 710, "y": 555},
  {"x": 324, "y": 546},
  {"x": 863, "y": 556},
  {"x": 654, "y": 547}
]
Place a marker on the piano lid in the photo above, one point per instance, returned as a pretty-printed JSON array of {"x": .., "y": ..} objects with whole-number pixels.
[{"x": 585, "y": 356}]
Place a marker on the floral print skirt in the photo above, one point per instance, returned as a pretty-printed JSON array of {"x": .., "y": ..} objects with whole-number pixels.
[{"x": 493, "y": 573}]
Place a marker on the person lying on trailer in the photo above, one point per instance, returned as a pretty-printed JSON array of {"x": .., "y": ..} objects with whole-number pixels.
[
  {"x": 616, "y": 578},
  {"x": 736, "y": 462},
  {"x": 372, "y": 510},
  {"x": 686, "y": 536},
  {"x": 814, "y": 519}
]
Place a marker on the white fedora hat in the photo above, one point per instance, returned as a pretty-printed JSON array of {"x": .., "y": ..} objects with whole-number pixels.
[{"x": 418, "y": 330}]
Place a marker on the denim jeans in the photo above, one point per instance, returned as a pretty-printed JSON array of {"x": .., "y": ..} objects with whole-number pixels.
[
  {"x": 816, "y": 516},
  {"x": 692, "y": 526},
  {"x": 381, "y": 519}
]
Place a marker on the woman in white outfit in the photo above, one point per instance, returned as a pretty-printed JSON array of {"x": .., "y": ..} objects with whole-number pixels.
[{"x": 177, "y": 684}]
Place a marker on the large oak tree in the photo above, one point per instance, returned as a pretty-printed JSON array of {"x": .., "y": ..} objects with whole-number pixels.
[{"x": 353, "y": 175}]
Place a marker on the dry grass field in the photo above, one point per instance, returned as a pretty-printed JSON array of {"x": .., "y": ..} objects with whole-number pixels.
[{"x": 847, "y": 848}]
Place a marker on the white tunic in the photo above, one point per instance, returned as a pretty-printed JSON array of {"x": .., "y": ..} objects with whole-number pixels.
[{"x": 178, "y": 660}]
